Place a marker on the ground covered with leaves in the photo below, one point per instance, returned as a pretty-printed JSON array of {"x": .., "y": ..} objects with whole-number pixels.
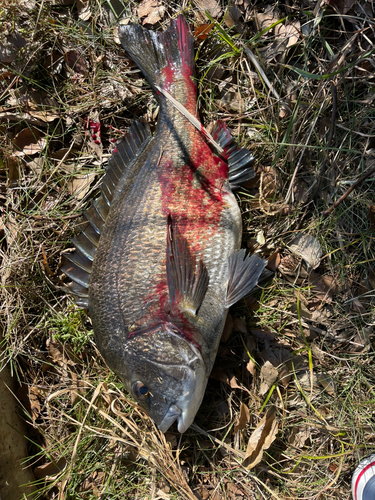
[{"x": 289, "y": 409}]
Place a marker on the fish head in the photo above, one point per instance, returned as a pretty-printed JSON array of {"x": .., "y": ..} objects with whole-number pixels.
[{"x": 166, "y": 375}]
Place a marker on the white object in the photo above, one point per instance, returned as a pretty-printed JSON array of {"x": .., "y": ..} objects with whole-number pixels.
[{"x": 363, "y": 481}]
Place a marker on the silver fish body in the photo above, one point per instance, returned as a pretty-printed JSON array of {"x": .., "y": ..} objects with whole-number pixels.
[{"x": 167, "y": 265}]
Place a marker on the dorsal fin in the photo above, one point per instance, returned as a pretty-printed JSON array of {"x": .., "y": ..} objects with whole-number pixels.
[
  {"x": 240, "y": 160},
  {"x": 77, "y": 265}
]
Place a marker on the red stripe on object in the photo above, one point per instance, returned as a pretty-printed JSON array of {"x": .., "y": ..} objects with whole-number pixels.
[{"x": 359, "y": 477}]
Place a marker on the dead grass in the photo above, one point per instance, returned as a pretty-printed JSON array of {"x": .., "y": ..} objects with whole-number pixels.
[{"x": 304, "y": 345}]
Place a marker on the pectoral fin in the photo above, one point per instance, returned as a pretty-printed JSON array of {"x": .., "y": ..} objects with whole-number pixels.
[
  {"x": 244, "y": 273},
  {"x": 187, "y": 280}
]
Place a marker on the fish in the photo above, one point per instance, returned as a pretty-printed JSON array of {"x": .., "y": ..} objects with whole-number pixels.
[{"x": 159, "y": 262}]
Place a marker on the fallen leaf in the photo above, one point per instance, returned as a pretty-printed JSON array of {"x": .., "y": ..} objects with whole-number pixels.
[
  {"x": 251, "y": 367},
  {"x": 50, "y": 470},
  {"x": 326, "y": 381},
  {"x": 13, "y": 169},
  {"x": 289, "y": 31},
  {"x": 84, "y": 9},
  {"x": 289, "y": 264},
  {"x": 80, "y": 185},
  {"x": 75, "y": 62},
  {"x": 34, "y": 402},
  {"x": 299, "y": 435},
  {"x": 93, "y": 483},
  {"x": 261, "y": 438},
  {"x": 202, "y": 492},
  {"x": 306, "y": 381},
  {"x": 201, "y": 32},
  {"x": 243, "y": 418},
  {"x": 268, "y": 375},
  {"x": 274, "y": 261},
  {"x": 357, "y": 306},
  {"x": 232, "y": 18},
  {"x": 29, "y": 141},
  {"x": 211, "y": 6},
  {"x": 342, "y": 6},
  {"x": 10, "y": 46},
  {"x": 324, "y": 287},
  {"x": 307, "y": 247},
  {"x": 35, "y": 106},
  {"x": 267, "y": 18},
  {"x": 153, "y": 10}
]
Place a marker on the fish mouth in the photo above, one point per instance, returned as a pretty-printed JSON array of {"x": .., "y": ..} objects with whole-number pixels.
[{"x": 174, "y": 413}]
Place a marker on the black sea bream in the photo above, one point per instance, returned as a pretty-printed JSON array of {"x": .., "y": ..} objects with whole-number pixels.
[{"x": 161, "y": 251}]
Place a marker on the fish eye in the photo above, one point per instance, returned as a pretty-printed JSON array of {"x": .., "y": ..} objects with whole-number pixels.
[{"x": 140, "y": 390}]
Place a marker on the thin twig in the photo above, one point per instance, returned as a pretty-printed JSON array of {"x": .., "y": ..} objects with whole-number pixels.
[{"x": 347, "y": 193}]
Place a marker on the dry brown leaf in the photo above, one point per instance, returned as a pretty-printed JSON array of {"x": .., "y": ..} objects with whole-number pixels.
[
  {"x": 243, "y": 418},
  {"x": 267, "y": 18},
  {"x": 327, "y": 382},
  {"x": 29, "y": 141},
  {"x": 211, "y": 6},
  {"x": 13, "y": 169},
  {"x": 289, "y": 31},
  {"x": 299, "y": 436},
  {"x": 342, "y": 6},
  {"x": 357, "y": 306},
  {"x": 274, "y": 261},
  {"x": 50, "y": 470},
  {"x": 268, "y": 376},
  {"x": 232, "y": 18},
  {"x": 34, "y": 402},
  {"x": 289, "y": 265},
  {"x": 36, "y": 106},
  {"x": 307, "y": 247},
  {"x": 201, "y": 32},
  {"x": 93, "y": 483},
  {"x": 84, "y": 9},
  {"x": 153, "y": 10},
  {"x": 18, "y": 117},
  {"x": 80, "y": 185},
  {"x": 261, "y": 438},
  {"x": 251, "y": 367},
  {"x": 324, "y": 287}
]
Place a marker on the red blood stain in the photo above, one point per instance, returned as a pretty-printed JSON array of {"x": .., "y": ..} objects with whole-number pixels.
[{"x": 192, "y": 194}]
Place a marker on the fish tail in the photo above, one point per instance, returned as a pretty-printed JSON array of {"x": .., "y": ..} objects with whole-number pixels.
[{"x": 163, "y": 57}]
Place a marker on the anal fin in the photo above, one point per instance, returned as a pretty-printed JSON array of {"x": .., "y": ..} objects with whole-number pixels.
[
  {"x": 187, "y": 279},
  {"x": 244, "y": 273}
]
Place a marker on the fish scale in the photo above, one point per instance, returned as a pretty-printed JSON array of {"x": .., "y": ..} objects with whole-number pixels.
[{"x": 160, "y": 278}]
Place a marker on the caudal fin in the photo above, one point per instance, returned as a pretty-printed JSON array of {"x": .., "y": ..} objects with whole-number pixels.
[{"x": 160, "y": 55}]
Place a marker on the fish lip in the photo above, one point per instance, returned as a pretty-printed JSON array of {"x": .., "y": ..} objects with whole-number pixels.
[{"x": 174, "y": 413}]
